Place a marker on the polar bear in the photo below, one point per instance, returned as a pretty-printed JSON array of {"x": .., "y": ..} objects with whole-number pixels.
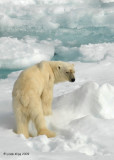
[{"x": 33, "y": 93}]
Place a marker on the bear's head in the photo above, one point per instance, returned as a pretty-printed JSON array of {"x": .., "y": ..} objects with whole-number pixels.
[{"x": 64, "y": 72}]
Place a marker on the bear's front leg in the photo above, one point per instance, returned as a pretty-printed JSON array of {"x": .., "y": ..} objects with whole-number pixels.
[
  {"x": 46, "y": 98},
  {"x": 37, "y": 116}
]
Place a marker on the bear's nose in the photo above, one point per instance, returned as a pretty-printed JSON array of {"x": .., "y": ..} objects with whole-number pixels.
[{"x": 73, "y": 79}]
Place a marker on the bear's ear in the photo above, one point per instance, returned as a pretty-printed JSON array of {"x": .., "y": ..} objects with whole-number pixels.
[{"x": 59, "y": 67}]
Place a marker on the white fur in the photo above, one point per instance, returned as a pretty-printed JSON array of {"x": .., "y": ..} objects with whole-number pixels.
[{"x": 33, "y": 92}]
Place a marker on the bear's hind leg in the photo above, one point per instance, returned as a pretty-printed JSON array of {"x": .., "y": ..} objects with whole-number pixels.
[
  {"x": 21, "y": 118},
  {"x": 22, "y": 125},
  {"x": 38, "y": 118}
]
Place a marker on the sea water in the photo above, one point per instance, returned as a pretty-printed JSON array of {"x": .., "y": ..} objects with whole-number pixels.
[{"x": 67, "y": 30}]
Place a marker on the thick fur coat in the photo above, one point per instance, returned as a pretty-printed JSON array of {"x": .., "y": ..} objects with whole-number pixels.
[{"x": 33, "y": 93}]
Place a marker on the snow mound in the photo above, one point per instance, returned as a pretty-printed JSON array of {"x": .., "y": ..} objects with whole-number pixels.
[
  {"x": 75, "y": 118},
  {"x": 89, "y": 99},
  {"x": 15, "y": 53},
  {"x": 97, "y": 52}
]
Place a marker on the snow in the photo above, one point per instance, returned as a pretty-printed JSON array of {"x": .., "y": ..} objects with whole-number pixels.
[
  {"x": 81, "y": 21},
  {"x": 97, "y": 52},
  {"x": 107, "y": 1},
  {"x": 83, "y": 112},
  {"x": 16, "y": 53},
  {"x": 83, "y": 118}
]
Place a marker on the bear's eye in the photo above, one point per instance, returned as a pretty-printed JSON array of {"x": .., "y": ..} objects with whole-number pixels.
[{"x": 67, "y": 72}]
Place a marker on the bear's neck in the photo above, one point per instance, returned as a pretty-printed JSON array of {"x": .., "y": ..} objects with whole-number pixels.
[{"x": 57, "y": 77}]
